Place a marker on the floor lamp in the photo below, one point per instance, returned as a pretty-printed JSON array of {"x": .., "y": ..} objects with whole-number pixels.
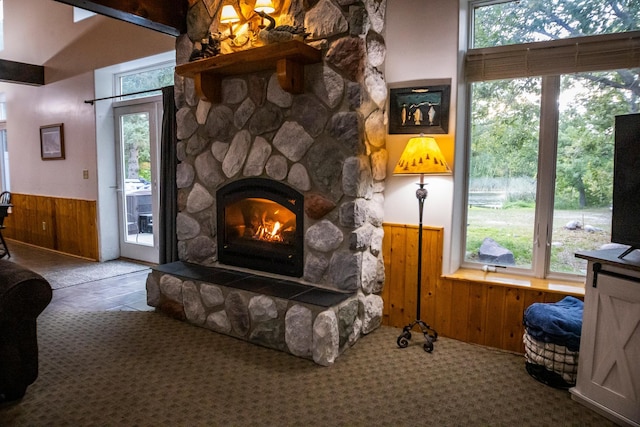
[{"x": 421, "y": 156}]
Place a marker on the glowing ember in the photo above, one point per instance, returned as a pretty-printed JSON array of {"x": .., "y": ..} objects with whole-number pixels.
[{"x": 269, "y": 230}]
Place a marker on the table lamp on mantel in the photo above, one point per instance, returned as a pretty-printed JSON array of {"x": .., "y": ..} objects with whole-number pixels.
[{"x": 421, "y": 156}]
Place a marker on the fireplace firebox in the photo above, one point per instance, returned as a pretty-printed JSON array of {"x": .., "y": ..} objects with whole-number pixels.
[{"x": 260, "y": 226}]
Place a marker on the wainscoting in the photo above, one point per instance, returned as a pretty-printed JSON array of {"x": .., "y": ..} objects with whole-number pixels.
[
  {"x": 62, "y": 224},
  {"x": 460, "y": 308}
]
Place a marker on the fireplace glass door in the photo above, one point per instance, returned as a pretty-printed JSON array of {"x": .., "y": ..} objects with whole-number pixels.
[{"x": 260, "y": 227}]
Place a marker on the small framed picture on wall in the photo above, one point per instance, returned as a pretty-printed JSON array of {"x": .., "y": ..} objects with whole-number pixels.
[
  {"x": 419, "y": 109},
  {"x": 52, "y": 142}
]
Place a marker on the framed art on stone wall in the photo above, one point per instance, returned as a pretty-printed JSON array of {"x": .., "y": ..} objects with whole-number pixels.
[{"x": 419, "y": 109}]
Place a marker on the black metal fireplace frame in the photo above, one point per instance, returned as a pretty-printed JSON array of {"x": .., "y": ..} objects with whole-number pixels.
[{"x": 289, "y": 263}]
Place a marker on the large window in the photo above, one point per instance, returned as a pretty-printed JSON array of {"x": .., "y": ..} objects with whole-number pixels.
[
  {"x": 143, "y": 82},
  {"x": 541, "y": 129}
]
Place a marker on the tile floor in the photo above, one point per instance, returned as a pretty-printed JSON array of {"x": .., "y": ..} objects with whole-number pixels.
[{"x": 121, "y": 293}]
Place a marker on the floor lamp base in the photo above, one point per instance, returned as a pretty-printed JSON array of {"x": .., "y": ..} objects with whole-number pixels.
[{"x": 430, "y": 335}]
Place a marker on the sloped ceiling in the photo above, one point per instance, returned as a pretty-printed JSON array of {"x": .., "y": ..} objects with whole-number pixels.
[{"x": 39, "y": 50}]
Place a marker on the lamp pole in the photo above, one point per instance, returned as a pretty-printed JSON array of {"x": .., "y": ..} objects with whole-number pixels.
[{"x": 429, "y": 334}]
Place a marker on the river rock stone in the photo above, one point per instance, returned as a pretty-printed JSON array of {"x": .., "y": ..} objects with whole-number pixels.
[
  {"x": 187, "y": 227},
  {"x": 324, "y": 20},
  {"x": 234, "y": 91},
  {"x": 356, "y": 177},
  {"x": 171, "y": 287},
  {"x": 344, "y": 270},
  {"x": 208, "y": 170},
  {"x": 237, "y": 154},
  {"x": 315, "y": 267},
  {"x": 267, "y": 118},
  {"x": 200, "y": 250},
  {"x": 309, "y": 112},
  {"x": 260, "y": 152},
  {"x": 299, "y": 177},
  {"x": 212, "y": 295},
  {"x": 376, "y": 129},
  {"x": 277, "y": 167},
  {"x": 219, "y": 123},
  {"x": 347, "y": 55},
  {"x": 238, "y": 313},
  {"x": 186, "y": 123},
  {"x": 244, "y": 113},
  {"x": 219, "y": 322},
  {"x": 324, "y": 236},
  {"x": 277, "y": 95},
  {"x": 185, "y": 173},
  {"x": 317, "y": 206},
  {"x": 372, "y": 306},
  {"x": 292, "y": 141},
  {"x": 379, "y": 161},
  {"x": 326, "y": 338},
  {"x": 199, "y": 199},
  {"x": 193, "y": 308},
  {"x": 299, "y": 330},
  {"x": 262, "y": 308},
  {"x": 326, "y": 84}
]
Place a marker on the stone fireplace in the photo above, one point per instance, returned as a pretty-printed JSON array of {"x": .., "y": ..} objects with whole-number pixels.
[{"x": 309, "y": 164}]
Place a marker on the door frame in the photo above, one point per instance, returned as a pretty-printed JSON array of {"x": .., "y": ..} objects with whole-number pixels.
[{"x": 152, "y": 106}]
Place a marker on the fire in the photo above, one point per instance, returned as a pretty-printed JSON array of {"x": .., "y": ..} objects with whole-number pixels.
[{"x": 269, "y": 230}]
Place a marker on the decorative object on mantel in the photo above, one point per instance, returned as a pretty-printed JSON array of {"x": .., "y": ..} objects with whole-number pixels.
[
  {"x": 280, "y": 33},
  {"x": 421, "y": 156},
  {"x": 209, "y": 47},
  {"x": 287, "y": 58}
]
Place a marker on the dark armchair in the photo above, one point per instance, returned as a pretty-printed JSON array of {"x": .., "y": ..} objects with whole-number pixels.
[{"x": 24, "y": 294}]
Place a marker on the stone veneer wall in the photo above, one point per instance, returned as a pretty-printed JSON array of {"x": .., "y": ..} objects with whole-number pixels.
[{"x": 328, "y": 143}]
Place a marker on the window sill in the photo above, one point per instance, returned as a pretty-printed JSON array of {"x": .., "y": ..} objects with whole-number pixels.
[{"x": 501, "y": 279}]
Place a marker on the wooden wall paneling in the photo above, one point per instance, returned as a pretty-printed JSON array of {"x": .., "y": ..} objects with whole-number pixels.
[
  {"x": 65, "y": 229},
  {"x": 460, "y": 301},
  {"x": 477, "y": 320},
  {"x": 433, "y": 303},
  {"x": 32, "y": 216},
  {"x": 88, "y": 222},
  {"x": 396, "y": 278},
  {"x": 440, "y": 317},
  {"x": 513, "y": 312},
  {"x": 45, "y": 236},
  {"x": 70, "y": 224},
  {"x": 386, "y": 257},
  {"x": 494, "y": 310},
  {"x": 411, "y": 277}
]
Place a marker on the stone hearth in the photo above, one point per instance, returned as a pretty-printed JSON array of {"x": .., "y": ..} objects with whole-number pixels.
[{"x": 328, "y": 143}]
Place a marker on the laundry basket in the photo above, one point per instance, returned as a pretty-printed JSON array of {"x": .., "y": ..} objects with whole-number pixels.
[{"x": 552, "y": 341}]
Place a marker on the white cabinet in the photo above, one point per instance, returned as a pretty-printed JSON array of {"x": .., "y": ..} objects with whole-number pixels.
[{"x": 609, "y": 365}]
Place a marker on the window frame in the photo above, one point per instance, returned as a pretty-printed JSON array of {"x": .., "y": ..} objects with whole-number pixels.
[{"x": 517, "y": 55}]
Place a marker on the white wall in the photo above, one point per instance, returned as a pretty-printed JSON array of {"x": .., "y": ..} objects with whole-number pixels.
[
  {"x": 42, "y": 32},
  {"x": 422, "y": 44},
  {"x": 28, "y": 108}
]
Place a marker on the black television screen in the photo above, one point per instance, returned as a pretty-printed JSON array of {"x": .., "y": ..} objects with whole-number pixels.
[{"x": 625, "y": 220}]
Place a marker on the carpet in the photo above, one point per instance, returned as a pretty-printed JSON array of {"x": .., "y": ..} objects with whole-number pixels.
[{"x": 145, "y": 369}]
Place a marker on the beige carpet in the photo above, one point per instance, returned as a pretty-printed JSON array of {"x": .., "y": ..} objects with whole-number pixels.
[{"x": 144, "y": 369}]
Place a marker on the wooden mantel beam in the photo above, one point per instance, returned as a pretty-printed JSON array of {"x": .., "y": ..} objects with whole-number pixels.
[
  {"x": 165, "y": 16},
  {"x": 19, "y": 72}
]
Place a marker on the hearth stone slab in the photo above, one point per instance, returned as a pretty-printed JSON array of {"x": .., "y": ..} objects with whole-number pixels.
[{"x": 278, "y": 288}]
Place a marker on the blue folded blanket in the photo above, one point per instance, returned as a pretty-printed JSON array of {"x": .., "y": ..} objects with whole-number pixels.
[{"x": 558, "y": 323}]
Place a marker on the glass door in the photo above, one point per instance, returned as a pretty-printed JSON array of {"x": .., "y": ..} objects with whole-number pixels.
[{"x": 137, "y": 142}]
